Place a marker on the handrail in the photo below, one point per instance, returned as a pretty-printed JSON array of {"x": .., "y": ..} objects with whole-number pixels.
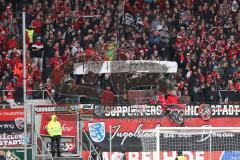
[
  {"x": 91, "y": 145},
  {"x": 76, "y": 95},
  {"x": 88, "y": 151},
  {"x": 34, "y": 90},
  {"x": 39, "y": 150},
  {"x": 44, "y": 145},
  {"x": 52, "y": 99}
]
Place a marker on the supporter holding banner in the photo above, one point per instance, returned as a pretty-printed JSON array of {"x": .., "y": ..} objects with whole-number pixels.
[
  {"x": 125, "y": 66},
  {"x": 132, "y": 20}
]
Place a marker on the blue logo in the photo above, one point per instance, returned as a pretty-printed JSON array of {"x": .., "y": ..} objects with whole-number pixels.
[
  {"x": 97, "y": 131},
  {"x": 230, "y": 155}
]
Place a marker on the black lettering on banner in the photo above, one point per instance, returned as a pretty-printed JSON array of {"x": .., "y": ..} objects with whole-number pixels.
[
  {"x": 13, "y": 139},
  {"x": 122, "y": 136},
  {"x": 133, "y": 21},
  {"x": 64, "y": 146},
  {"x": 192, "y": 111},
  {"x": 117, "y": 66},
  {"x": 84, "y": 67},
  {"x": 145, "y": 64},
  {"x": 133, "y": 66},
  {"x": 9, "y": 127}
]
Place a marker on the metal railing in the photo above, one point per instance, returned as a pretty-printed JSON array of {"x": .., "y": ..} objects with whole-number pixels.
[
  {"x": 44, "y": 94},
  {"x": 43, "y": 155},
  {"x": 85, "y": 146},
  {"x": 91, "y": 147}
]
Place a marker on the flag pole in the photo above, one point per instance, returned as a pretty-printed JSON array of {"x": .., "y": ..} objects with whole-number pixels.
[
  {"x": 24, "y": 85},
  {"x": 110, "y": 141}
]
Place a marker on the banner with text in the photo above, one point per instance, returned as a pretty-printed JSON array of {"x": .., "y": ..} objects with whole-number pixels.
[
  {"x": 13, "y": 139},
  {"x": 68, "y": 123},
  {"x": 145, "y": 111},
  {"x": 171, "y": 155},
  {"x": 134, "y": 21},
  {"x": 149, "y": 111},
  {"x": 125, "y": 66},
  {"x": 12, "y": 127},
  {"x": 126, "y": 134},
  {"x": 11, "y": 114}
]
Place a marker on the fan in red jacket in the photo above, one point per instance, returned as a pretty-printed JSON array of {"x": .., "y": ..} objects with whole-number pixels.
[
  {"x": 161, "y": 100},
  {"x": 172, "y": 98}
]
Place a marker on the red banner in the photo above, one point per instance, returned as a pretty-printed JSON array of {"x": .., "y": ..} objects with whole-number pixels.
[
  {"x": 68, "y": 123},
  {"x": 11, "y": 114},
  {"x": 127, "y": 133},
  {"x": 189, "y": 155},
  {"x": 128, "y": 125}
]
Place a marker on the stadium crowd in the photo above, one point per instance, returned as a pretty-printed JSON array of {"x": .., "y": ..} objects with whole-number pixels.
[{"x": 203, "y": 36}]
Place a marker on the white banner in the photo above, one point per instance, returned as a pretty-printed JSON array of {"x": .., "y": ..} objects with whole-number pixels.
[
  {"x": 125, "y": 66},
  {"x": 132, "y": 20}
]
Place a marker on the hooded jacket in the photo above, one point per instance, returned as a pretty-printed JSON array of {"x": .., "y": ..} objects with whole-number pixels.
[
  {"x": 181, "y": 158},
  {"x": 54, "y": 127}
]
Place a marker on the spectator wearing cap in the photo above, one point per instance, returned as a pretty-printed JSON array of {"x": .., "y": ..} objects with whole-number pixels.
[{"x": 37, "y": 52}]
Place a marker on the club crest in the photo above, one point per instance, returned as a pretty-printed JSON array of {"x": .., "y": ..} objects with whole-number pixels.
[
  {"x": 99, "y": 110},
  {"x": 19, "y": 122},
  {"x": 97, "y": 131},
  {"x": 205, "y": 111}
]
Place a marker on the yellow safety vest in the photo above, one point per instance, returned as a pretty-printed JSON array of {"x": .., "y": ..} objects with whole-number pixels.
[
  {"x": 54, "y": 127},
  {"x": 181, "y": 158},
  {"x": 30, "y": 34}
]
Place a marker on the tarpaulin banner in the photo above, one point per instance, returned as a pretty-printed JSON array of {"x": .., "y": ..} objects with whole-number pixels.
[
  {"x": 12, "y": 126},
  {"x": 68, "y": 123},
  {"x": 145, "y": 111},
  {"x": 171, "y": 155},
  {"x": 64, "y": 146},
  {"x": 125, "y": 66},
  {"x": 13, "y": 139},
  {"x": 157, "y": 111},
  {"x": 127, "y": 133},
  {"x": 11, "y": 114},
  {"x": 134, "y": 21}
]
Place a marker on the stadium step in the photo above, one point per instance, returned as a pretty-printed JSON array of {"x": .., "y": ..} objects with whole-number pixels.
[{"x": 39, "y": 101}]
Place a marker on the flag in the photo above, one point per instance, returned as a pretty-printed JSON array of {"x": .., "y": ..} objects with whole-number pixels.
[
  {"x": 110, "y": 50},
  {"x": 235, "y": 6}
]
